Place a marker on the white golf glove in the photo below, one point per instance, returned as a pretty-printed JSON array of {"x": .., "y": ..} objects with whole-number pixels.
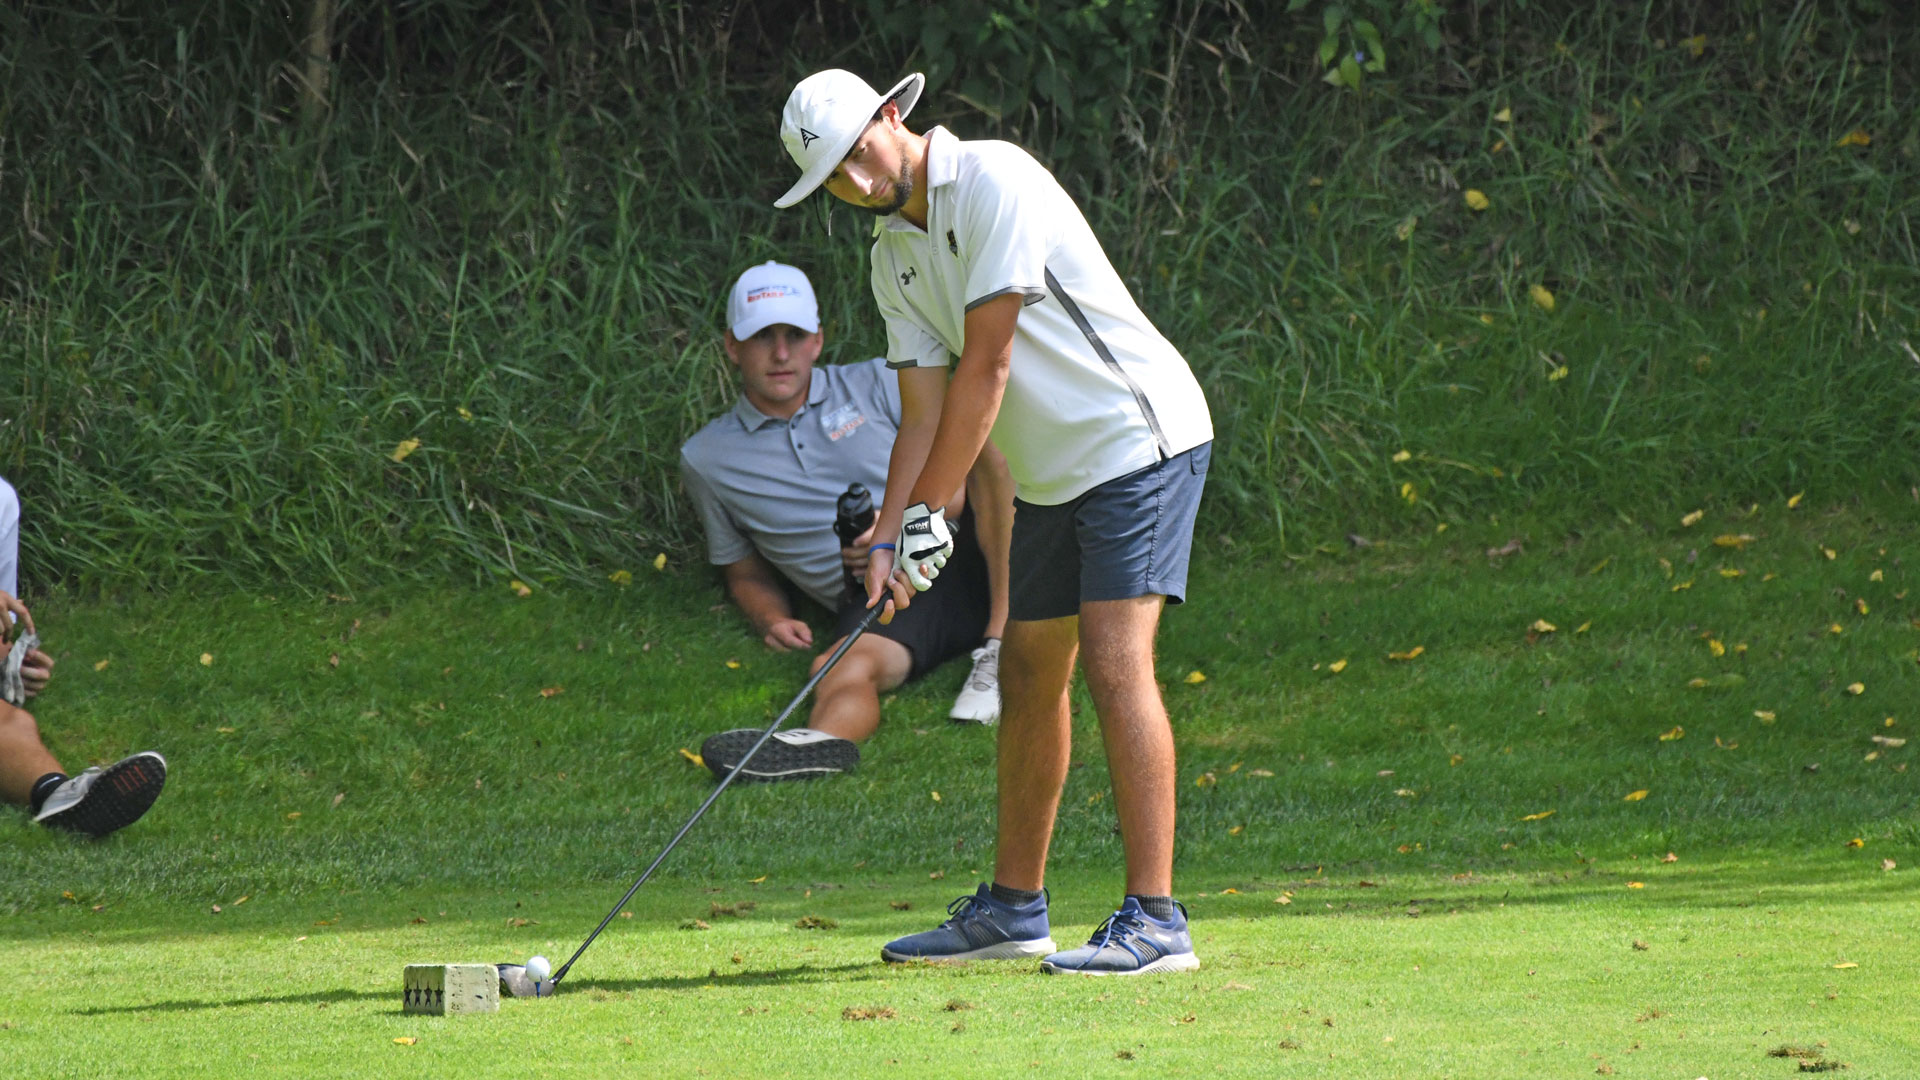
[{"x": 925, "y": 544}]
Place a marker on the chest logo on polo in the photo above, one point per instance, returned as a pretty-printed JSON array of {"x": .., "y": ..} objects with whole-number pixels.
[
  {"x": 952, "y": 244},
  {"x": 806, "y": 138},
  {"x": 907, "y": 276},
  {"x": 842, "y": 422}
]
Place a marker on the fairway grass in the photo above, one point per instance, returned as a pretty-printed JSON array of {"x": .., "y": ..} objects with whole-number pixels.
[
  {"x": 1670, "y": 834},
  {"x": 1700, "y": 972}
]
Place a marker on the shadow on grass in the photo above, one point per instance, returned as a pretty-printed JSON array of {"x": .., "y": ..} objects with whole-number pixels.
[{"x": 776, "y": 977}]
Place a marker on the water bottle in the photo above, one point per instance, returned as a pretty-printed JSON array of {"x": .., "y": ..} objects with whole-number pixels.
[{"x": 852, "y": 516}]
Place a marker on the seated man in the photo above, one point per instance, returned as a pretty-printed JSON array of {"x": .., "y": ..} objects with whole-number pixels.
[
  {"x": 766, "y": 479},
  {"x": 96, "y": 802}
]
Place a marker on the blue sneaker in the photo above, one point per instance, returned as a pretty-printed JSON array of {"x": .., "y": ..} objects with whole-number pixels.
[
  {"x": 980, "y": 928},
  {"x": 1130, "y": 942}
]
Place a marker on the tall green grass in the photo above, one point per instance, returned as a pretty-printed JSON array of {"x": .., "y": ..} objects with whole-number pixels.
[{"x": 510, "y": 239}]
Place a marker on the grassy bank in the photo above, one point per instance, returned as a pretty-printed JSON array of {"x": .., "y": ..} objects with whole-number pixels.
[{"x": 222, "y": 325}]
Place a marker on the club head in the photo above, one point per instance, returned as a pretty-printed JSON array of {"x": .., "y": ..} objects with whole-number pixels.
[{"x": 514, "y": 982}]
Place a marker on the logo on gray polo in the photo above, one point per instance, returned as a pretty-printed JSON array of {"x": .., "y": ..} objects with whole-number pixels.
[
  {"x": 842, "y": 422},
  {"x": 806, "y": 138}
]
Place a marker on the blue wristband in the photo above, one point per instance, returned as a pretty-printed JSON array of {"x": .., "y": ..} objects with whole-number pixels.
[{"x": 877, "y": 547}]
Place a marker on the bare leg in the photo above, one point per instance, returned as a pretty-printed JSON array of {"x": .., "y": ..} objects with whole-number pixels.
[
  {"x": 1036, "y": 736},
  {"x": 23, "y": 757},
  {"x": 990, "y": 492},
  {"x": 1117, "y": 639},
  {"x": 846, "y": 704}
]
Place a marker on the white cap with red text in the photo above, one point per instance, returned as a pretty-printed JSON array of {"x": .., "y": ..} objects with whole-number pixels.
[{"x": 772, "y": 293}]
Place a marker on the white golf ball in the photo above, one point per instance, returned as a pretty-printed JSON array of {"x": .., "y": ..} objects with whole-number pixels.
[{"x": 538, "y": 969}]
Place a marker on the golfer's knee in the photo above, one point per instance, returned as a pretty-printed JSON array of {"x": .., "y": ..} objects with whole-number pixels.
[{"x": 18, "y": 729}]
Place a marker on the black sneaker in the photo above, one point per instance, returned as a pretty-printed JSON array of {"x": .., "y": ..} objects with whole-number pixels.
[
  {"x": 100, "y": 801},
  {"x": 796, "y": 754}
]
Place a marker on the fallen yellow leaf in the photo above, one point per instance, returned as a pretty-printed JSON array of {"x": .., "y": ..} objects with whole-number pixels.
[
  {"x": 660, "y": 561},
  {"x": 1876, "y": 576},
  {"x": 1829, "y": 553},
  {"x": 102, "y": 665},
  {"x": 936, "y": 796},
  {"x": 1476, "y": 200},
  {"x": 1260, "y": 772},
  {"x": 1338, "y": 666},
  {"x": 1794, "y": 499},
  {"x": 1765, "y": 716},
  {"x": 693, "y": 757},
  {"x": 295, "y": 816},
  {"x": 1403, "y": 455},
  {"x": 1542, "y": 626},
  {"x": 465, "y": 413},
  {"x": 1731, "y": 540},
  {"x": 1558, "y": 373},
  {"x": 519, "y": 588},
  {"x": 1673, "y": 734},
  {"x": 206, "y": 659},
  {"x": 1235, "y": 831},
  {"x": 1409, "y": 654},
  {"x": 1856, "y": 137},
  {"x": 1860, "y": 604},
  {"x": 1732, "y": 572},
  {"x": 1541, "y": 296},
  {"x": 1844, "y": 965},
  {"x": 758, "y": 880},
  {"x": 1635, "y": 796},
  {"x": 406, "y": 447},
  {"x": 1583, "y": 627},
  {"x": 1541, "y": 816},
  {"x": 1836, "y": 628},
  {"x": 1856, "y": 689},
  {"x": 1454, "y": 759},
  {"x": 621, "y": 577},
  {"x": 552, "y": 691},
  {"x": 1195, "y": 677},
  {"x": 1856, "y": 842},
  {"x": 406, "y": 1040},
  {"x": 1715, "y": 647},
  {"x": 1486, "y": 318},
  {"x": 1692, "y": 519},
  {"x": 1409, "y": 492},
  {"x": 1682, "y": 586},
  {"x": 1636, "y": 884},
  {"x": 1283, "y": 898},
  {"x": 1205, "y": 779},
  {"x": 1696, "y": 44},
  {"x": 733, "y": 665}
]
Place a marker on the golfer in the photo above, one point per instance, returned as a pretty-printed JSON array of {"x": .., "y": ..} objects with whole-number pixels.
[
  {"x": 1005, "y": 318},
  {"x": 765, "y": 477}
]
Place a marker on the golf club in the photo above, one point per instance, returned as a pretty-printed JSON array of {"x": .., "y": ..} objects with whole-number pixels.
[{"x": 859, "y": 628}]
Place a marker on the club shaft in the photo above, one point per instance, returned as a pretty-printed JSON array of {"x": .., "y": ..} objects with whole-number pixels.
[{"x": 858, "y": 629}]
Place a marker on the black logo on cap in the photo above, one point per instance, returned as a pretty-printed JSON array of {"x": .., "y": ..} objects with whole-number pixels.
[
  {"x": 806, "y": 138},
  {"x": 906, "y": 278}
]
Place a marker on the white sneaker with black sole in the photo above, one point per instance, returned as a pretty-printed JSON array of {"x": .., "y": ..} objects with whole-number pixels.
[
  {"x": 979, "y": 699},
  {"x": 100, "y": 801},
  {"x": 795, "y": 754}
]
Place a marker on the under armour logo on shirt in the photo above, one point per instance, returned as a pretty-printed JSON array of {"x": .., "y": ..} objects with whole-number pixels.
[
  {"x": 952, "y": 244},
  {"x": 806, "y": 138},
  {"x": 907, "y": 277}
]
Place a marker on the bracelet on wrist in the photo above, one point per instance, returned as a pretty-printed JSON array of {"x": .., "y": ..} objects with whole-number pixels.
[{"x": 877, "y": 547}]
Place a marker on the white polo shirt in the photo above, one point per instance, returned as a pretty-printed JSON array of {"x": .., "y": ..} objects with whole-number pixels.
[{"x": 1094, "y": 391}]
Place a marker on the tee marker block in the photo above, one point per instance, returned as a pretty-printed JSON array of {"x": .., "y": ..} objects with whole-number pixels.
[{"x": 450, "y": 989}]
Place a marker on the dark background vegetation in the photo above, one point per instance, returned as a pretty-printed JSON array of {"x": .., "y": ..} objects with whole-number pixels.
[{"x": 246, "y": 251}]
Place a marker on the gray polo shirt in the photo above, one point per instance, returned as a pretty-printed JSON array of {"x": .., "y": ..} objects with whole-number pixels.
[{"x": 770, "y": 485}]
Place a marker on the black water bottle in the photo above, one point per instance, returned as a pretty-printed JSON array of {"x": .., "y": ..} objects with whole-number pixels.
[{"x": 852, "y": 516}]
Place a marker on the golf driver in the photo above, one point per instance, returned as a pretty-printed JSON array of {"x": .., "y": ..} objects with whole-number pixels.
[{"x": 859, "y": 628}]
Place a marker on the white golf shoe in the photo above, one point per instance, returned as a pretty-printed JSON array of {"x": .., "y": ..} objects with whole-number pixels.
[{"x": 979, "y": 700}]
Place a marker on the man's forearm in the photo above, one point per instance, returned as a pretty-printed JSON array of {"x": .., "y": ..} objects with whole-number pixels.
[
  {"x": 972, "y": 400},
  {"x": 762, "y": 602}
]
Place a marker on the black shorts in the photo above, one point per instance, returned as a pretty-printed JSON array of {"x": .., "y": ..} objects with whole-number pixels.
[{"x": 946, "y": 620}]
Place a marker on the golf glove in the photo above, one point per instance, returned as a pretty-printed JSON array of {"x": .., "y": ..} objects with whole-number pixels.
[{"x": 925, "y": 544}]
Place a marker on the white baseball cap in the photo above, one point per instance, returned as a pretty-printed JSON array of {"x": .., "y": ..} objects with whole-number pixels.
[
  {"x": 825, "y": 116},
  {"x": 772, "y": 293}
]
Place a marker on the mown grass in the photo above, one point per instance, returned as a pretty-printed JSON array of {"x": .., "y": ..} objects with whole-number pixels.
[
  {"x": 512, "y": 248},
  {"x": 1422, "y": 905}
]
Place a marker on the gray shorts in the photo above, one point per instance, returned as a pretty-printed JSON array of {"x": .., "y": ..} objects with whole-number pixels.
[{"x": 1129, "y": 537}]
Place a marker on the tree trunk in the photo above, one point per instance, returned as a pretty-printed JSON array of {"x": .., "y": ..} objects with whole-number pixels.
[{"x": 318, "y": 69}]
